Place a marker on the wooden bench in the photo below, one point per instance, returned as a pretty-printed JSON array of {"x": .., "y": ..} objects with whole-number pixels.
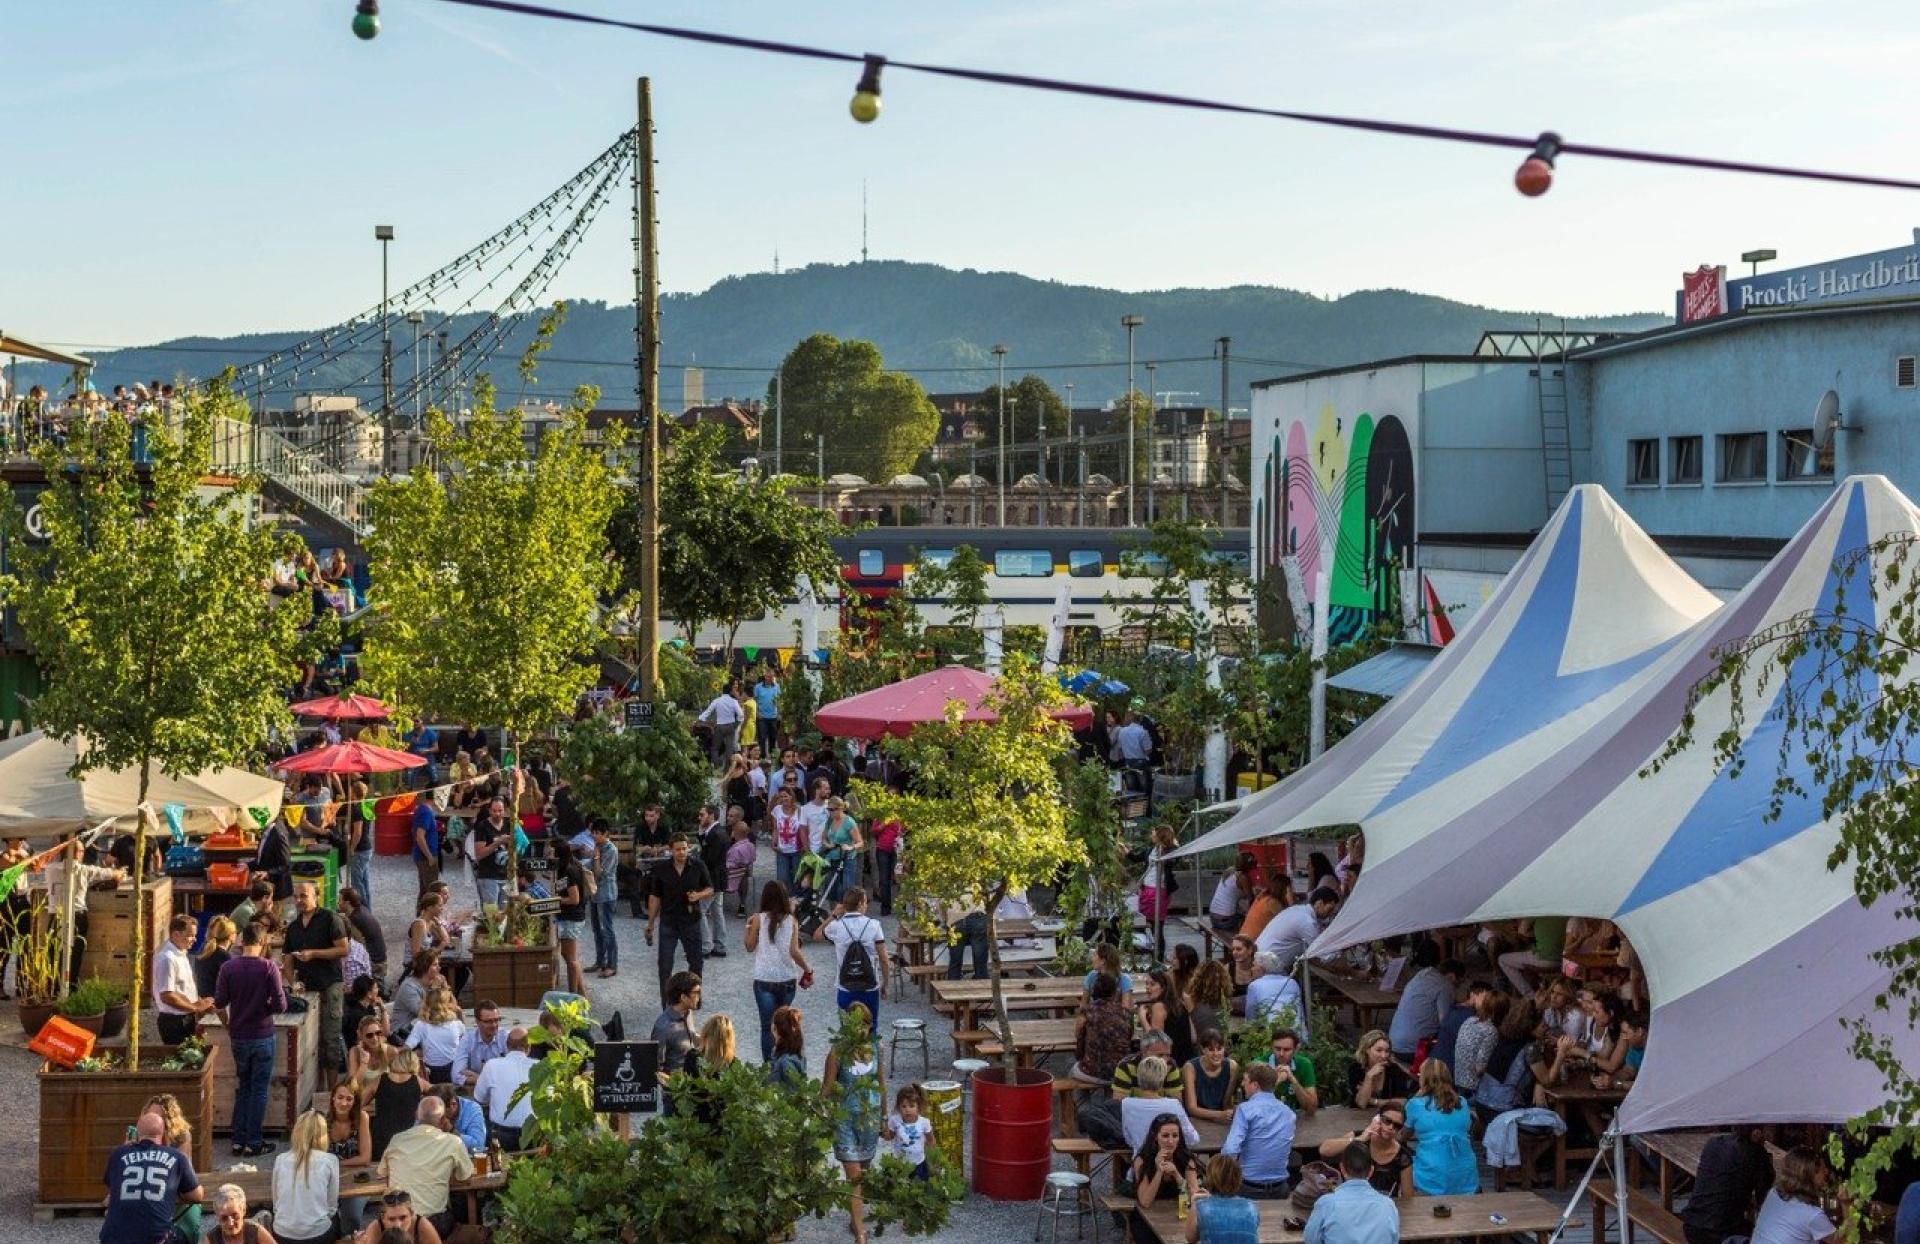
[
  {"x": 1203, "y": 925},
  {"x": 1066, "y": 1103},
  {"x": 1118, "y": 1203},
  {"x": 1081, "y": 1150},
  {"x": 1642, "y": 1211},
  {"x": 966, "y": 1041}
]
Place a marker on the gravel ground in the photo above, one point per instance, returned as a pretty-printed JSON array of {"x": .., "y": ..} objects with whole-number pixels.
[{"x": 635, "y": 993}]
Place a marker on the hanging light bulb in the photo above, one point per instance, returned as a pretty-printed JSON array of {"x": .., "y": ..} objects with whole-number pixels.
[
  {"x": 366, "y": 18},
  {"x": 865, "y": 105},
  {"x": 1534, "y": 177}
]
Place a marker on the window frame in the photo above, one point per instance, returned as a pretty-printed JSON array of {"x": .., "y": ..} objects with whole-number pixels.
[
  {"x": 1636, "y": 446},
  {"x": 1000, "y": 564},
  {"x": 1727, "y": 450},
  {"x": 860, "y": 563},
  {"x": 1797, "y": 443},
  {"x": 1675, "y": 458},
  {"x": 1076, "y": 563}
]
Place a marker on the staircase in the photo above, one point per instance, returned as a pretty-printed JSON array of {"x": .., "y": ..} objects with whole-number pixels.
[
  {"x": 296, "y": 479},
  {"x": 1556, "y": 437}
]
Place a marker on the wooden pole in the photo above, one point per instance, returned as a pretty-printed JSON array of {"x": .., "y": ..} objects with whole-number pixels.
[{"x": 646, "y": 332}]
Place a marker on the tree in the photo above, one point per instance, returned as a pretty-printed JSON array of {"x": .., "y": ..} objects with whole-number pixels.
[
  {"x": 616, "y": 773},
  {"x": 731, "y": 548},
  {"x": 1031, "y": 405},
  {"x": 1112, "y": 459},
  {"x": 986, "y": 813},
  {"x": 960, "y": 584},
  {"x": 148, "y": 612},
  {"x": 876, "y": 423},
  {"x": 1271, "y": 698}
]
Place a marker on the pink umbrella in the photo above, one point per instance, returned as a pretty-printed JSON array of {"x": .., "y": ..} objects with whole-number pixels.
[
  {"x": 343, "y": 708},
  {"x": 895, "y": 711},
  {"x": 350, "y": 758}
]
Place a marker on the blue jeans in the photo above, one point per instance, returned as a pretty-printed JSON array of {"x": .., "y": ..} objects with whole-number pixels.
[
  {"x": 360, "y": 874},
  {"x": 606, "y": 944},
  {"x": 490, "y": 891},
  {"x": 252, "y": 1076},
  {"x": 784, "y": 863},
  {"x": 770, "y": 996}
]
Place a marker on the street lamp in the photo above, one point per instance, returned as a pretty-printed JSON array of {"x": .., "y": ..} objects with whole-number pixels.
[
  {"x": 416, "y": 319},
  {"x": 1000, "y": 390},
  {"x": 1153, "y": 418},
  {"x": 1756, "y": 258},
  {"x": 383, "y": 234},
  {"x": 1130, "y": 322}
]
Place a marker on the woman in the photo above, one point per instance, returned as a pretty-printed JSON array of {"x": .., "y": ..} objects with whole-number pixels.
[
  {"x": 359, "y": 838},
  {"x": 1374, "y": 1077},
  {"x": 306, "y": 1184},
  {"x": 349, "y": 1140},
  {"x": 1240, "y": 953},
  {"x": 1443, "y": 1161},
  {"x": 1103, "y": 1033},
  {"x": 367, "y": 1056},
  {"x": 230, "y": 1225},
  {"x": 773, "y": 939},
  {"x": 1221, "y": 1216},
  {"x": 1559, "y": 1009},
  {"x": 1392, "y": 1159},
  {"x": 1106, "y": 962},
  {"x": 756, "y": 806},
  {"x": 1791, "y": 1214},
  {"x": 1156, "y": 894},
  {"x": 423, "y": 977},
  {"x": 395, "y": 1099},
  {"x": 427, "y": 932},
  {"x": 363, "y": 1000},
  {"x": 844, "y": 843},
  {"x": 1475, "y": 1042},
  {"x": 437, "y": 1035},
  {"x": 1232, "y": 896},
  {"x": 1186, "y": 961},
  {"x": 1320, "y": 871},
  {"x": 1210, "y": 996},
  {"x": 713, "y": 1050},
  {"x": 1503, "y": 1081},
  {"x": 461, "y": 776},
  {"x": 179, "y": 1135},
  {"x": 789, "y": 1062},
  {"x": 788, "y": 836},
  {"x": 531, "y": 806},
  {"x": 1211, "y": 1081},
  {"x": 1352, "y": 859},
  {"x": 859, "y": 1085},
  {"x": 736, "y": 788},
  {"x": 216, "y": 950},
  {"x": 1164, "y": 1167},
  {"x": 886, "y": 856},
  {"x": 13, "y": 909},
  {"x": 1166, "y": 1011}
]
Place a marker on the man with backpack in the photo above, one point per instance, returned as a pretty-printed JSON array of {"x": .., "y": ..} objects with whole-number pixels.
[{"x": 860, "y": 946}]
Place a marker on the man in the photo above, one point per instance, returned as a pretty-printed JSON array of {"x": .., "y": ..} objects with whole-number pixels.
[
  {"x": 1354, "y": 1212},
  {"x": 673, "y": 909},
  {"x": 492, "y": 837},
  {"x": 1132, "y": 744},
  {"x": 723, "y": 716},
  {"x": 481, "y": 1044},
  {"x": 145, "y": 1177},
  {"x": 249, "y": 993},
  {"x": 1734, "y": 1176},
  {"x": 1425, "y": 1001},
  {"x": 1261, "y": 1135},
  {"x": 570, "y": 922},
  {"x": 814, "y": 813},
  {"x": 464, "y": 1119},
  {"x": 1446, "y": 1042},
  {"x": 1523, "y": 967},
  {"x": 499, "y": 1080},
  {"x": 674, "y": 1028},
  {"x": 606, "y": 894},
  {"x": 423, "y": 1162},
  {"x": 396, "y": 1216},
  {"x": 714, "y": 842},
  {"x": 1290, "y": 933},
  {"x": 967, "y": 923},
  {"x": 1273, "y": 991},
  {"x": 766, "y": 701},
  {"x": 1126, "y": 1077},
  {"x": 789, "y": 776},
  {"x": 175, "y": 995},
  {"x": 354, "y": 907},
  {"x": 316, "y": 942},
  {"x": 857, "y": 973},
  {"x": 273, "y": 859},
  {"x": 259, "y": 899},
  {"x": 1296, "y": 1082},
  {"x": 85, "y": 877},
  {"x": 827, "y": 764},
  {"x": 426, "y": 844}
]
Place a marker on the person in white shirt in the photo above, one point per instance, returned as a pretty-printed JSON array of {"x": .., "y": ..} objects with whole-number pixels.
[
  {"x": 814, "y": 814},
  {"x": 1293, "y": 930},
  {"x": 85, "y": 877},
  {"x": 499, "y": 1080},
  {"x": 1272, "y": 989},
  {"x": 176, "y": 995},
  {"x": 437, "y": 1035},
  {"x": 852, "y": 926},
  {"x": 1139, "y": 1110},
  {"x": 306, "y": 1183},
  {"x": 723, "y": 715}
]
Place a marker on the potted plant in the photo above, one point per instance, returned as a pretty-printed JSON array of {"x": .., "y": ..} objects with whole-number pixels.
[
  {"x": 85, "y": 1006},
  {"x": 113, "y": 1021},
  {"x": 36, "y": 955},
  {"x": 512, "y": 954}
]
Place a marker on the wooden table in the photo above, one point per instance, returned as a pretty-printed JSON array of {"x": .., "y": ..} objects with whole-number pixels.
[
  {"x": 966, "y": 996},
  {"x": 1033, "y": 1037},
  {"x": 1559, "y": 1099},
  {"x": 258, "y": 1185},
  {"x": 1675, "y": 1154},
  {"x": 917, "y": 946},
  {"x": 1203, "y": 925},
  {"x": 1310, "y": 1131},
  {"x": 1365, "y": 998},
  {"x": 1526, "y": 1213}
]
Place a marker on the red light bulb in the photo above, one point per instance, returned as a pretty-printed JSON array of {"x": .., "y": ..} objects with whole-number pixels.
[{"x": 1534, "y": 177}]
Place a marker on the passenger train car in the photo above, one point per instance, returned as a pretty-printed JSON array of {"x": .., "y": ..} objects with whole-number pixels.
[{"x": 1024, "y": 569}]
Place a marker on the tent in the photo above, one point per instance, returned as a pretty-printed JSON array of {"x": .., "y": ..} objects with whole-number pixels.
[
  {"x": 897, "y": 709},
  {"x": 37, "y": 797},
  {"x": 1572, "y": 629}
]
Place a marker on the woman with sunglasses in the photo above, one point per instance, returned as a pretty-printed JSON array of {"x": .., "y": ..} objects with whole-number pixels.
[{"x": 1392, "y": 1158}]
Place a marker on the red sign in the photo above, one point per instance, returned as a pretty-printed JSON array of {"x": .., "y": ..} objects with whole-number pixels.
[{"x": 1703, "y": 293}]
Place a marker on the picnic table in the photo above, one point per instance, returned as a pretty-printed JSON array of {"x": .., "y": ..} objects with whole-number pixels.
[
  {"x": 966, "y": 996},
  {"x": 1365, "y": 998},
  {"x": 920, "y": 947},
  {"x": 1675, "y": 1155},
  {"x": 1526, "y": 1213},
  {"x": 258, "y": 1185},
  {"x": 1310, "y": 1131},
  {"x": 1032, "y": 1037},
  {"x": 1559, "y": 1098}
]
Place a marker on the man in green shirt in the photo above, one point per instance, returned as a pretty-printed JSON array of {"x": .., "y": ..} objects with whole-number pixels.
[
  {"x": 1549, "y": 935},
  {"x": 1297, "y": 1084}
]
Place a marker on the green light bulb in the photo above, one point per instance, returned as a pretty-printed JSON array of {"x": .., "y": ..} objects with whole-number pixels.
[
  {"x": 366, "y": 20},
  {"x": 865, "y": 106}
]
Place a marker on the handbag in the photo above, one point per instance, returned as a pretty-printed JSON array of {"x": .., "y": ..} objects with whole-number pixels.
[{"x": 1316, "y": 1180}]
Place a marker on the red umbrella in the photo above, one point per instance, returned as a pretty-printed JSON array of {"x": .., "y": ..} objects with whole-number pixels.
[
  {"x": 350, "y": 758},
  {"x": 896, "y": 710},
  {"x": 343, "y": 708}
]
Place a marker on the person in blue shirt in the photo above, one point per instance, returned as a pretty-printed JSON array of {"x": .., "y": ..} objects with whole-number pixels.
[
  {"x": 1221, "y": 1215},
  {"x": 424, "y": 741},
  {"x": 464, "y": 1118},
  {"x": 1261, "y": 1135},
  {"x": 1906, "y": 1221},
  {"x": 145, "y": 1179},
  {"x": 766, "y": 705},
  {"x": 1445, "y": 1044},
  {"x": 1443, "y": 1161},
  {"x": 426, "y": 844},
  {"x": 1354, "y": 1212}
]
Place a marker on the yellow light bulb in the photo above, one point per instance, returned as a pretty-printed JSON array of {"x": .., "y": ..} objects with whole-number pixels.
[{"x": 865, "y": 106}]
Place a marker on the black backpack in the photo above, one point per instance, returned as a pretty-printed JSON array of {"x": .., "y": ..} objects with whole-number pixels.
[{"x": 857, "y": 973}]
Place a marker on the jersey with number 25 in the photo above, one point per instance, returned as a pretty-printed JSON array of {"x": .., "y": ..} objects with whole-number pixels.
[{"x": 143, "y": 1182}]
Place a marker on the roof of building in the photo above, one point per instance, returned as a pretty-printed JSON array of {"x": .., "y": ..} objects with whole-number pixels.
[
  {"x": 1734, "y": 322},
  {"x": 1377, "y": 364}
]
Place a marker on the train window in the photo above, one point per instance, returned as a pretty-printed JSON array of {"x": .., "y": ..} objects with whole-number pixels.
[
  {"x": 1151, "y": 565},
  {"x": 1085, "y": 564},
  {"x": 1242, "y": 562},
  {"x": 1023, "y": 563},
  {"x": 938, "y": 559},
  {"x": 872, "y": 563}
]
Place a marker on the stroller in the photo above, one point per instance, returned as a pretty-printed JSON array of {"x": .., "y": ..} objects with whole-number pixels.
[{"x": 813, "y": 880}]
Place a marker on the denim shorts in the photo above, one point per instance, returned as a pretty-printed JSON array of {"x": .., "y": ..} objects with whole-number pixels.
[{"x": 570, "y": 930}]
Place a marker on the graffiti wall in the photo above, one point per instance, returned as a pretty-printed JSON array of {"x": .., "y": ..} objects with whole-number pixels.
[{"x": 1335, "y": 477}]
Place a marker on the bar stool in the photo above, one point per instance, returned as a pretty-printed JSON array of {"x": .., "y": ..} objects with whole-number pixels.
[
  {"x": 965, "y": 1068},
  {"x": 1068, "y": 1194},
  {"x": 914, "y": 1033}
]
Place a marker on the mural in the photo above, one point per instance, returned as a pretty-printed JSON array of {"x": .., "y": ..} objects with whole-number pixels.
[{"x": 1348, "y": 482}]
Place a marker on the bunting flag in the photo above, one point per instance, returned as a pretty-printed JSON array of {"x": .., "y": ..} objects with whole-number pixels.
[
  {"x": 442, "y": 795},
  {"x": 11, "y": 878},
  {"x": 366, "y": 809},
  {"x": 295, "y": 814},
  {"x": 753, "y": 653},
  {"x": 786, "y": 657},
  {"x": 176, "y": 821},
  {"x": 260, "y": 817}
]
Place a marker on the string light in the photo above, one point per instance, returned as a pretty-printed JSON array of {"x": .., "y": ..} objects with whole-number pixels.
[
  {"x": 865, "y": 105},
  {"x": 366, "y": 18},
  {"x": 1534, "y": 177}
]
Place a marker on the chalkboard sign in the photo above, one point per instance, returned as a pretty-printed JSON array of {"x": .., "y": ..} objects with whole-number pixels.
[
  {"x": 626, "y": 1076},
  {"x": 639, "y": 714},
  {"x": 543, "y": 907}
]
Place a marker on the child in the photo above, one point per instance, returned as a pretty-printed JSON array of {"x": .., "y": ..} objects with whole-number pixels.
[
  {"x": 740, "y": 866},
  {"x": 908, "y": 1135}
]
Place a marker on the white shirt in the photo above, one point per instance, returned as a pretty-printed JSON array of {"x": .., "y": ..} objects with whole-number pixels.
[
  {"x": 1226, "y": 896},
  {"x": 852, "y": 928},
  {"x": 1132, "y": 742},
  {"x": 56, "y": 881},
  {"x": 773, "y": 955},
  {"x": 1138, "y": 1113},
  {"x": 1790, "y": 1222},
  {"x": 786, "y": 831},
  {"x": 498, "y": 1082},
  {"x": 1272, "y": 992},
  {"x": 303, "y": 1208},
  {"x": 814, "y": 816},
  {"x": 724, "y": 710},
  {"x": 173, "y": 972},
  {"x": 909, "y": 1142},
  {"x": 1289, "y": 934},
  {"x": 439, "y": 1044}
]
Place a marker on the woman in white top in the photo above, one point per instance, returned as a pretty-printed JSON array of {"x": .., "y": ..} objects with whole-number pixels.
[
  {"x": 436, "y": 1034},
  {"x": 773, "y": 939},
  {"x": 1792, "y": 1214},
  {"x": 306, "y": 1185},
  {"x": 789, "y": 835}
]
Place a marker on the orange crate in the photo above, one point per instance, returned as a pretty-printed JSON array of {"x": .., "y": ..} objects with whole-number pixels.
[
  {"x": 61, "y": 1042},
  {"x": 227, "y": 878}
]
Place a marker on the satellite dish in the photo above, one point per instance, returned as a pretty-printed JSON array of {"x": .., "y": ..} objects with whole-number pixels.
[{"x": 1826, "y": 421}]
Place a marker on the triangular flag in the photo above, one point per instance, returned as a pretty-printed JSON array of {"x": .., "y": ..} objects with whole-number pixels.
[
  {"x": 366, "y": 809},
  {"x": 260, "y": 817},
  {"x": 506, "y": 760},
  {"x": 11, "y": 878},
  {"x": 295, "y": 813},
  {"x": 753, "y": 654},
  {"x": 440, "y": 799},
  {"x": 403, "y": 803},
  {"x": 175, "y": 815},
  {"x": 786, "y": 656}
]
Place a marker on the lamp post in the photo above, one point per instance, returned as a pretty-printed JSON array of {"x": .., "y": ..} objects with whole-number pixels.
[
  {"x": 1000, "y": 391},
  {"x": 1130, "y": 322},
  {"x": 416, "y": 319},
  {"x": 1153, "y": 418},
  {"x": 383, "y": 234}
]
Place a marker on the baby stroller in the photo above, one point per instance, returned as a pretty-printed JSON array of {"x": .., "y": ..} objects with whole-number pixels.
[{"x": 812, "y": 882}]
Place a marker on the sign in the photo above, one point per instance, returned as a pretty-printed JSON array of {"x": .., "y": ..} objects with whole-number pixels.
[
  {"x": 639, "y": 714},
  {"x": 626, "y": 1076},
  {"x": 543, "y": 906},
  {"x": 1703, "y": 293},
  {"x": 1860, "y": 278}
]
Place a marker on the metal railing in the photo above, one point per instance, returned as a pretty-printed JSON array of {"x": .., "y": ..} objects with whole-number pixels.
[{"x": 244, "y": 448}]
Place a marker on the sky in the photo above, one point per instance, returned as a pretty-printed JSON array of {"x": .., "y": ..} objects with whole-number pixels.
[{"x": 217, "y": 166}]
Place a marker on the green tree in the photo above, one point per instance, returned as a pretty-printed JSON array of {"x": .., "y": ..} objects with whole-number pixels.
[
  {"x": 1031, "y": 405},
  {"x": 876, "y": 423},
  {"x": 960, "y": 584},
  {"x": 147, "y": 610},
  {"x": 616, "y": 773},
  {"x": 731, "y": 548},
  {"x": 1271, "y": 699}
]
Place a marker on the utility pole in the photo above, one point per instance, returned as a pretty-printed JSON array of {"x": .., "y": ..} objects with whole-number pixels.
[
  {"x": 1000, "y": 392},
  {"x": 1226, "y": 344},
  {"x": 820, "y": 470},
  {"x": 646, "y": 376},
  {"x": 1130, "y": 322},
  {"x": 1153, "y": 428},
  {"x": 383, "y": 234},
  {"x": 779, "y": 414}
]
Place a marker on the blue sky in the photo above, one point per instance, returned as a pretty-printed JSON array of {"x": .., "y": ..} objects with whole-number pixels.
[{"x": 217, "y": 165}]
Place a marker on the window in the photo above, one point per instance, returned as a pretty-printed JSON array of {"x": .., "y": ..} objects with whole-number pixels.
[
  {"x": 1683, "y": 460},
  {"x": 1903, "y": 372},
  {"x": 1023, "y": 563},
  {"x": 1798, "y": 459},
  {"x": 938, "y": 559},
  {"x": 1643, "y": 462},
  {"x": 871, "y": 563},
  {"x": 1150, "y": 565},
  {"x": 1743, "y": 457},
  {"x": 1085, "y": 564}
]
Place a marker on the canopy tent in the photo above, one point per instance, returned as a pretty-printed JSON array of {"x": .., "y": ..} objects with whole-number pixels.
[
  {"x": 20, "y": 348},
  {"x": 1571, "y": 631},
  {"x": 897, "y": 709},
  {"x": 37, "y": 796},
  {"x": 1387, "y": 674},
  {"x": 1754, "y": 951},
  {"x": 354, "y": 757}
]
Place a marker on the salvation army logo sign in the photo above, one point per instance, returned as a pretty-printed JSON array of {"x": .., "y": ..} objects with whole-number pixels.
[{"x": 1703, "y": 293}]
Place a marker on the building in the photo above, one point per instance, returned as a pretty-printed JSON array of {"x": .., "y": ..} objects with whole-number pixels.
[{"x": 969, "y": 500}]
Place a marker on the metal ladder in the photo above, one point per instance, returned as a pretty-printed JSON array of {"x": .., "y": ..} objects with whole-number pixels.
[{"x": 1556, "y": 436}]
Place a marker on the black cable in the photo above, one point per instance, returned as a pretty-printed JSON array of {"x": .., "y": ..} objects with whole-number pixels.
[{"x": 1164, "y": 99}]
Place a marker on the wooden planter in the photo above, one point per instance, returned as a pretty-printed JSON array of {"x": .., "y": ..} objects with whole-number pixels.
[
  {"x": 514, "y": 975},
  {"x": 84, "y": 1116},
  {"x": 111, "y": 948},
  {"x": 296, "y": 1070}
]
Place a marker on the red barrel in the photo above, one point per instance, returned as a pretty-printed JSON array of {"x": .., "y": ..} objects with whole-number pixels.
[
  {"x": 393, "y": 833},
  {"x": 1272, "y": 858},
  {"x": 1012, "y": 1133}
]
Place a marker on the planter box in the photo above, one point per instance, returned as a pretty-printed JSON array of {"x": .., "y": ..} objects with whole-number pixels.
[
  {"x": 514, "y": 975},
  {"x": 296, "y": 1070},
  {"x": 85, "y": 1116},
  {"x": 110, "y": 935}
]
